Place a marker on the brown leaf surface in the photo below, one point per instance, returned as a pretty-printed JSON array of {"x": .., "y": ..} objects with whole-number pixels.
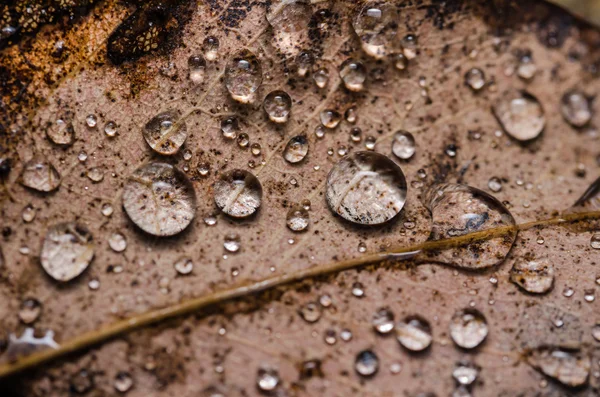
[{"x": 183, "y": 357}]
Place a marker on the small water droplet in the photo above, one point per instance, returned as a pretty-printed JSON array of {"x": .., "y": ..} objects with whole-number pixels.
[
  {"x": 534, "y": 276},
  {"x": 94, "y": 284},
  {"x": 576, "y": 109},
  {"x": 39, "y": 174},
  {"x": 345, "y": 335},
  {"x": 238, "y": 193},
  {"x": 475, "y": 79},
  {"x": 91, "y": 120},
  {"x": 342, "y": 150},
  {"x": 409, "y": 46},
  {"x": 243, "y": 140},
  {"x": 30, "y": 311},
  {"x": 28, "y": 213},
  {"x": 210, "y": 220},
  {"x": 400, "y": 61},
  {"x": 304, "y": 62},
  {"x": 370, "y": 143},
  {"x": 468, "y": 328},
  {"x": 95, "y": 174},
  {"x": 520, "y": 114},
  {"x": 256, "y": 149},
  {"x": 165, "y": 133},
  {"x": 596, "y": 332},
  {"x": 330, "y": 118},
  {"x": 196, "y": 68},
  {"x": 267, "y": 379},
  {"x": 362, "y": 247},
  {"x": 210, "y": 46},
  {"x": 383, "y": 321},
  {"x": 366, "y": 363},
  {"x": 356, "y": 134},
  {"x": 495, "y": 184},
  {"x": 107, "y": 209},
  {"x": 117, "y": 242},
  {"x": 243, "y": 76},
  {"x": 123, "y": 382},
  {"x": 110, "y": 129},
  {"x": 297, "y": 218},
  {"x": 296, "y": 149},
  {"x": 232, "y": 242},
  {"x": 526, "y": 68},
  {"x": 414, "y": 333},
  {"x": 595, "y": 241},
  {"x": 325, "y": 300},
  {"x": 353, "y": 74},
  {"x": 568, "y": 292},
  {"x": 358, "y": 289},
  {"x": 67, "y": 251},
  {"x": 465, "y": 373},
  {"x": 82, "y": 156},
  {"x": 61, "y": 133},
  {"x": 589, "y": 295},
  {"x": 451, "y": 150},
  {"x": 403, "y": 146},
  {"x": 310, "y": 312},
  {"x": 321, "y": 77}
]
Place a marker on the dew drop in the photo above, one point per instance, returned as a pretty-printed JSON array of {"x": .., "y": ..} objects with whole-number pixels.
[
  {"x": 376, "y": 26},
  {"x": 366, "y": 363},
  {"x": 297, "y": 218},
  {"x": 534, "y": 276},
  {"x": 232, "y": 242},
  {"x": 356, "y": 134},
  {"x": 243, "y": 140},
  {"x": 353, "y": 73},
  {"x": 67, "y": 251},
  {"x": 409, "y": 46},
  {"x": 383, "y": 321},
  {"x": 414, "y": 333},
  {"x": 575, "y": 108},
  {"x": 589, "y": 295},
  {"x": 210, "y": 46},
  {"x": 595, "y": 241},
  {"x": 351, "y": 115},
  {"x": 403, "y": 146},
  {"x": 362, "y": 247},
  {"x": 325, "y": 300},
  {"x": 210, "y": 220},
  {"x": 310, "y": 312},
  {"x": 91, "y": 120},
  {"x": 320, "y": 132},
  {"x": 568, "y": 292},
  {"x": 366, "y": 188},
  {"x": 230, "y": 127},
  {"x": 520, "y": 114},
  {"x": 358, "y": 289},
  {"x": 296, "y": 149},
  {"x": 345, "y": 335},
  {"x": 495, "y": 184},
  {"x": 95, "y": 174},
  {"x": 30, "y": 311},
  {"x": 117, "y": 242},
  {"x": 39, "y": 174},
  {"x": 465, "y": 373},
  {"x": 243, "y": 76},
  {"x": 123, "y": 382},
  {"x": 159, "y": 199},
  {"x": 238, "y": 193},
  {"x": 267, "y": 379},
  {"x": 28, "y": 213},
  {"x": 107, "y": 209},
  {"x": 277, "y": 105},
  {"x": 571, "y": 368},
  {"x": 82, "y": 156},
  {"x": 304, "y": 62},
  {"x": 321, "y": 77},
  {"x": 196, "y": 68},
  {"x": 61, "y": 133},
  {"x": 165, "y": 133},
  {"x": 256, "y": 149},
  {"x": 468, "y": 328},
  {"x": 330, "y": 118},
  {"x": 370, "y": 143},
  {"x": 475, "y": 79},
  {"x": 526, "y": 68}
]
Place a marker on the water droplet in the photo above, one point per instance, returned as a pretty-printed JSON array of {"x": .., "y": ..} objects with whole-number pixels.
[
  {"x": 475, "y": 78},
  {"x": 526, "y": 68},
  {"x": 107, "y": 209},
  {"x": 243, "y": 140},
  {"x": 358, "y": 289},
  {"x": 230, "y": 127},
  {"x": 571, "y": 368},
  {"x": 277, "y": 105},
  {"x": 321, "y": 77},
  {"x": 403, "y": 146},
  {"x": 468, "y": 328},
  {"x": 383, "y": 321},
  {"x": 325, "y": 300},
  {"x": 345, "y": 335},
  {"x": 123, "y": 382},
  {"x": 465, "y": 373},
  {"x": 330, "y": 337},
  {"x": 595, "y": 241},
  {"x": 400, "y": 61},
  {"x": 304, "y": 62},
  {"x": 30, "y": 311},
  {"x": 310, "y": 312},
  {"x": 67, "y": 251},
  {"x": 196, "y": 68},
  {"x": 238, "y": 193},
  {"x": 370, "y": 143},
  {"x": 297, "y": 218},
  {"x": 28, "y": 213},
  {"x": 289, "y": 21},
  {"x": 342, "y": 150},
  {"x": 91, "y": 120},
  {"x": 165, "y": 133},
  {"x": 568, "y": 292},
  {"x": 330, "y": 118},
  {"x": 451, "y": 150},
  {"x": 362, "y": 247},
  {"x": 409, "y": 46},
  {"x": 82, "y": 156},
  {"x": 495, "y": 184},
  {"x": 256, "y": 149},
  {"x": 232, "y": 242},
  {"x": 356, "y": 134},
  {"x": 353, "y": 74},
  {"x": 82, "y": 382},
  {"x": 366, "y": 188},
  {"x": 376, "y": 26},
  {"x": 267, "y": 379},
  {"x": 520, "y": 114},
  {"x": 576, "y": 109},
  {"x": 414, "y": 333},
  {"x": 210, "y": 46},
  {"x": 94, "y": 284},
  {"x": 534, "y": 276},
  {"x": 458, "y": 210},
  {"x": 210, "y": 220},
  {"x": 351, "y": 115},
  {"x": 61, "y": 133},
  {"x": 95, "y": 174},
  {"x": 159, "y": 199},
  {"x": 243, "y": 76},
  {"x": 296, "y": 149},
  {"x": 117, "y": 242},
  {"x": 39, "y": 174},
  {"x": 366, "y": 363},
  {"x": 589, "y": 295},
  {"x": 596, "y": 332},
  {"x": 110, "y": 129}
]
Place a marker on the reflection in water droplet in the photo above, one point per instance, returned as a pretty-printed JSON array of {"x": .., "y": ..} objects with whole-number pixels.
[
  {"x": 330, "y": 118},
  {"x": 520, "y": 114},
  {"x": 534, "y": 276},
  {"x": 184, "y": 265},
  {"x": 123, "y": 382},
  {"x": 165, "y": 133},
  {"x": 571, "y": 368},
  {"x": 353, "y": 74},
  {"x": 238, "y": 193},
  {"x": 296, "y": 149},
  {"x": 210, "y": 46},
  {"x": 67, "y": 251},
  {"x": 321, "y": 77},
  {"x": 196, "y": 68},
  {"x": 403, "y": 146},
  {"x": 159, "y": 199},
  {"x": 61, "y": 133},
  {"x": 28, "y": 213},
  {"x": 366, "y": 363},
  {"x": 366, "y": 188},
  {"x": 383, "y": 321},
  {"x": 277, "y": 105},
  {"x": 117, "y": 242},
  {"x": 414, "y": 333},
  {"x": 475, "y": 78},
  {"x": 232, "y": 242},
  {"x": 376, "y": 26},
  {"x": 465, "y": 373},
  {"x": 243, "y": 76},
  {"x": 576, "y": 109},
  {"x": 458, "y": 210},
  {"x": 297, "y": 218},
  {"x": 39, "y": 174},
  {"x": 267, "y": 379},
  {"x": 310, "y": 312},
  {"x": 30, "y": 311},
  {"x": 289, "y": 21},
  {"x": 468, "y": 328}
]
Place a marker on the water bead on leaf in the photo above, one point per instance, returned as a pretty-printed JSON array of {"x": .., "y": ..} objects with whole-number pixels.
[
  {"x": 67, "y": 251},
  {"x": 475, "y": 79},
  {"x": 230, "y": 127},
  {"x": 289, "y": 21},
  {"x": 238, "y": 193},
  {"x": 297, "y": 218},
  {"x": 196, "y": 68},
  {"x": 277, "y": 105},
  {"x": 376, "y": 25},
  {"x": 243, "y": 76},
  {"x": 39, "y": 174},
  {"x": 330, "y": 118},
  {"x": 366, "y": 363},
  {"x": 534, "y": 276},
  {"x": 403, "y": 146},
  {"x": 296, "y": 149},
  {"x": 62, "y": 132},
  {"x": 210, "y": 46},
  {"x": 468, "y": 328},
  {"x": 165, "y": 133},
  {"x": 571, "y": 368},
  {"x": 353, "y": 74},
  {"x": 520, "y": 114},
  {"x": 321, "y": 77},
  {"x": 576, "y": 108},
  {"x": 414, "y": 333}
]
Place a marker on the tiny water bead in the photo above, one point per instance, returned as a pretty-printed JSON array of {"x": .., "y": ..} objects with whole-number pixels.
[
  {"x": 330, "y": 337},
  {"x": 232, "y": 242},
  {"x": 91, "y": 120},
  {"x": 110, "y": 129},
  {"x": 468, "y": 328},
  {"x": 30, "y": 311},
  {"x": 414, "y": 333},
  {"x": 475, "y": 79},
  {"x": 366, "y": 363},
  {"x": 67, "y": 251},
  {"x": 196, "y": 68},
  {"x": 39, "y": 174},
  {"x": 403, "y": 146},
  {"x": 330, "y": 118},
  {"x": 571, "y": 368},
  {"x": 358, "y": 289},
  {"x": 304, "y": 62},
  {"x": 243, "y": 76},
  {"x": 376, "y": 26},
  {"x": 123, "y": 382},
  {"x": 159, "y": 199},
  {"x": 576, "y": 108},
  {"x": 28, "y": 213},
  {"x": 383, "y": 321},
  {"x": 458, "y": 210},
  {"x": 289, "y": 21},
  {"x": 117, "y": 242},
  {"x": 82, "y": 156},
  {"x": 495, "y": 184},
  {"x": 61, "y": 133},
  {"x": 520, "y": 114},
  {"x": 267, "y": 379},
  {"x": 321, "y": 77},
  {"x": 296, "y": 149},
  {"x": 107, "y": 209},
  {"x": 297, "y": 218},
  {"x": 165, "y": 133},
  {"x": 230, "y": 127},
  {"x": 210, "y": 46},
  {"x": 277, "y": 105},
  {"x": 400, "y": 61},
  {"x": 534, "y": 276},
  {"x": 238, "y": 193},
  {"x": 311, "y": 312},
  {"x": 184, "y": 265},
  {"x": 353, "y": 73},
  {"x": 366, "y": 188},
  {"x": 351, "y": 115}
]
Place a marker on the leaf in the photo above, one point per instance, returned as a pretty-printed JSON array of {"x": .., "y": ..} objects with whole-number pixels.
[{"x": 227, "y": 345}]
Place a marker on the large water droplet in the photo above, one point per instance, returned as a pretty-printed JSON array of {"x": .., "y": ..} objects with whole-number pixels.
[
  {"x": 520, "y": 114},
  {"x": 534, "y": 276},
  {"x": 403, "y": 146},
  {"x": 468, "y": 328},
  {"x": 353, "y": 74},
  {"x": 297, "y": 218},
  {"x": 366, "y": 363},
  {"x": 67, "y": 251},
  {"x": 39, "y": 174},
  {"x": 414, "y": 333},
  {"x": 165, "y": 133},
  {"x": 238, "y": 193},
  {"x": 61, "y": 133},
  {"x": 571, "y": 368},
  {"x": 296, "y": 149},
  {"x": 576, "y": 109},
  {"x": 277, "y": 105},
  {"x": 290, "y": 20},
  {"x": 159, "y": 199},
  {"x": 458, "y": 210},
  {"x": 366, "y": 188},
  {"x": 243, "y": 76},
  {"x": 376, "y": 26},
  {"x": 267, "y": 379}
]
